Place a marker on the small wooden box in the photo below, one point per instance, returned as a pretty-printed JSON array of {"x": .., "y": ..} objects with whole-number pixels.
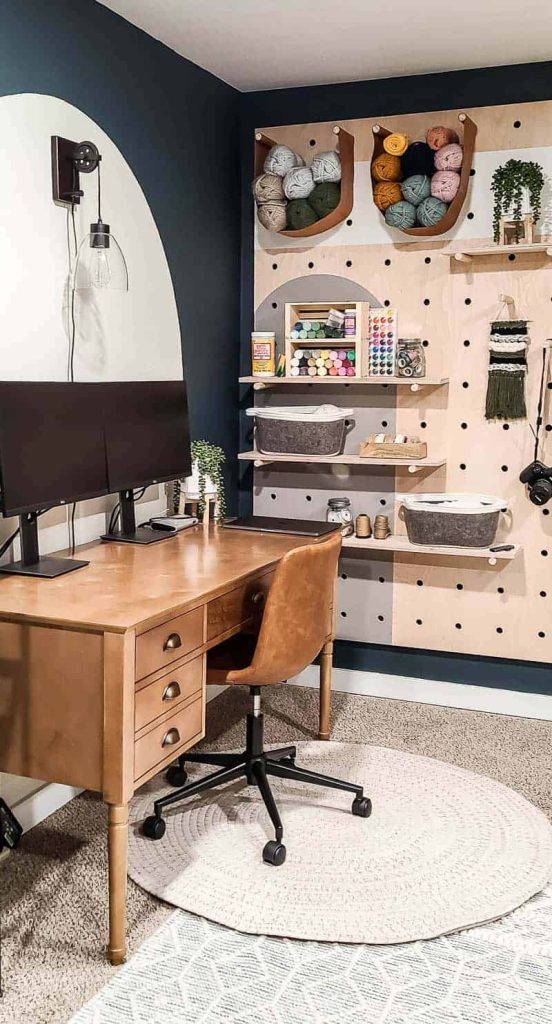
[
  {"x": 318, "y": 311},
  {"x": 391, "y": 449}
]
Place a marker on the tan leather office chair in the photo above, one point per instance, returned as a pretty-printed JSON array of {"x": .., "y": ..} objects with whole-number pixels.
[{"x": 296, "y": 623}]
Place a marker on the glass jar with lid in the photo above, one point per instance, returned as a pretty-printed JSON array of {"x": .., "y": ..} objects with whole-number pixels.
[
  {"x": 411, "y": 360},
  {"x": 339, "y": 510}
]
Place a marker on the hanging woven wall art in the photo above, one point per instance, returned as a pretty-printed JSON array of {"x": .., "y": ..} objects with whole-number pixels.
[{"x": 507, "y": 370}]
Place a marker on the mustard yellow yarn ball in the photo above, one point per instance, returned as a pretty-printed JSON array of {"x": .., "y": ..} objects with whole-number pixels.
[
  {"x": 386, "y": 167},
  {"x": 396, "y": 143},
  {"x": 386, "y": 193}
]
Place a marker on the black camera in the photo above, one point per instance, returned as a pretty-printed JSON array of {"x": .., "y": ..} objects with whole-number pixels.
[{"x": 538, "y": 478}]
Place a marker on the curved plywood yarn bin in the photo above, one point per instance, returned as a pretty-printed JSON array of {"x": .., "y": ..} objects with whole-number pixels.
[
  {"x": 453, "y": 211},
  {"x": 346, "y": 149}
]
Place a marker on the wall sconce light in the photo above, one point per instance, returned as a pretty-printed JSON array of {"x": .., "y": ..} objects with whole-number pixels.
[{"x": 100, "y": 260}]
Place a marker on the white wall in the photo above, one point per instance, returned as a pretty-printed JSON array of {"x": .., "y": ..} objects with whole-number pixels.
[{"x": 119, "y": 336}]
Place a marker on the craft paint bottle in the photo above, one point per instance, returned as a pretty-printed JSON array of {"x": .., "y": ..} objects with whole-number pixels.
[{"x": 263, "y": 350}]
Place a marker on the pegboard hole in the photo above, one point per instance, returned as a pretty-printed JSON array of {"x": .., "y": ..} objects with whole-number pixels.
[
  {"x": 275, "y": 305},
  {"x": 343, "y": 615},
  {"x": 458, "y": 625},
  {"x": 517, "y": 124},
  {"x": 381, "y": 579},
  {"x": 427, "y": 259},
  {"x": 383, "y": 501},
  {"x": 548, "y": 427},
  {"x": 381, "y": 618},
  {"x": 511, "y": 256},
  {"x": 349, "y": 222},
  {"x": 472, "y": 172},
  {"x": 419, "y": 583},
  {"x": 275, "y": 266},
  {"x": 273, "y": 496},
  {"x": 467, "y": 343},
  {"x": 308, "y": 497},
  {"x": 387, "y": 302},
  {"x": 312, "y": 142},
  {"x": 465, "y": 384},
  {"x": 418, "y": 622},
  {"x": 423, "y": 424},
  {"x": 505, "y": 426},
  {"x": 459, "y": 586},
  {"x": 311, "y": 265},
  {"x": 544, "y": 553},
  {"x": 499, "y": 629},
  {"x": 425, "y": 343},
  {"x": 384, "y": 423},
  {"x": 504, "y": 469},
  {"x": 464, "y": 426},
  {"x": 427, "y": 302},
  {"x": 387, "y": 263},
  {"x": 546, "y": 511},
  {"x": 500, "y": 590},
  {"x": 462, "y": 465},
  {"x": 349, "y": 263},
  {"x": 344, "y": 576},
  {"x": 470, "y": 215},
  {"x": 347, "y": 423},
  {"x": 541, "y": 633},
  {"x": 543, "y": 593},
  {"x": 467, "y": 302}
]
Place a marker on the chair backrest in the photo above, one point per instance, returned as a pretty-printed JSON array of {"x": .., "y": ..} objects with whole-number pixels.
[{"x": 298, "y": 617}]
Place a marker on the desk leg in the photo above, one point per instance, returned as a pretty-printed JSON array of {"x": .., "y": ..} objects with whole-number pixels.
[
  {"x": 118, "y": 846},
  {"x": 326, "y": 660}
]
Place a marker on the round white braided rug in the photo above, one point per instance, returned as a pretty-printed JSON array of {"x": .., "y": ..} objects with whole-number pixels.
[{"x": 444, "y": 849}]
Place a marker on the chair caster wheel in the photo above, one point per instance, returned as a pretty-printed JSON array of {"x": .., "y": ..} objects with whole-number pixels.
[
  {"x": 362, "y": 806},
  {"x": 274, "y": 853},
  {"x": 153, "y": 828},
  {"x": 176, "y": 776}
]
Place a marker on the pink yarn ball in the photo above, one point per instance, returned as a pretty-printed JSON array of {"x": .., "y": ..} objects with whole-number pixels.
[
  {"x": 445, "y": 185},
  {"x": 449, "y": 158}
]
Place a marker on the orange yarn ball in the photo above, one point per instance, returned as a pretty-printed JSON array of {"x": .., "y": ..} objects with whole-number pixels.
[
  {"x": 386, "y": 167},
  {"x": 440, "y": 136},
  {"x": 386, "y": 193}
]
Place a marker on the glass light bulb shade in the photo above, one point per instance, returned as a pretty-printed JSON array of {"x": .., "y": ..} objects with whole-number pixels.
[{"x": 100, "y": 262}]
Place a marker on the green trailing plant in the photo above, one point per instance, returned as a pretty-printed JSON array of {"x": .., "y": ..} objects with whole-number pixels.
[
  {"x": 508, "y": 183},
  {"x": 210, "y": 458}
]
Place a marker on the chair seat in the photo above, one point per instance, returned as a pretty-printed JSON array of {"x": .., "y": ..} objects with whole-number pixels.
[{"x": 229, "y": 657}]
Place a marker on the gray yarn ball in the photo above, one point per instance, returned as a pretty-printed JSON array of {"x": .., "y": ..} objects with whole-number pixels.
[
  {"x": 298, "y": 183},
  {"x": 272, "y": 216},
  {"x": 279, "y": 160},
  {"x": 326, "y": 166},
  {"x": 268, "y": 188}
]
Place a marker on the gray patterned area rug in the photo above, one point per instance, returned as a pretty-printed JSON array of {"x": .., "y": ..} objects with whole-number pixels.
[
  {"x": 194, "y": 972},
  {"x": 444, "y": 849}
]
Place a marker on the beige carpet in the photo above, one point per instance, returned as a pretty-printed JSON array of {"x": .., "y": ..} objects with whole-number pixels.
[{"x": 53, "y": 890}]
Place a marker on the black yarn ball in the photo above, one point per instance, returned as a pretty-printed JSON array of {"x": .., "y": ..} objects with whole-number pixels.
[{"x": 418, "y": 159}]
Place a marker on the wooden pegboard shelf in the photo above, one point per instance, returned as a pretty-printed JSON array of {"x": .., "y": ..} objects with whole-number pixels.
[
  {"x": 466, "y": 255},
  {"x": 401, "y": 545},
  {"x": 412, "y": 466},
  {"x": 261, "y": 384}
]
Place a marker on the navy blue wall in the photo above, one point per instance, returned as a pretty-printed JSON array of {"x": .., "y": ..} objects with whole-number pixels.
[
  {"x": 486, "y": 87},
  {"x": 177, "y": 127}
]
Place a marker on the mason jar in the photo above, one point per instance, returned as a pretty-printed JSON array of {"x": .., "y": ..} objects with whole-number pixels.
[{"x": 339, "y": 511}]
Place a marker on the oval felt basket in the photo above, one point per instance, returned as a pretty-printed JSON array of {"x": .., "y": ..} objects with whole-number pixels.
[
  {"x": 346, "y": 149},
  {"x": 453, "y": 211}
]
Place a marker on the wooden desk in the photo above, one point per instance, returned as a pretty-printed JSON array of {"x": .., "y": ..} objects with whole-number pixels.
[{"x": 102, "y": 671}]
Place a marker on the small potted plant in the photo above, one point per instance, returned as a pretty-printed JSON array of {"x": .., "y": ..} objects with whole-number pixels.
[
  {"x": 517, "y": 187},
  {"x": 206, "y": 482}
]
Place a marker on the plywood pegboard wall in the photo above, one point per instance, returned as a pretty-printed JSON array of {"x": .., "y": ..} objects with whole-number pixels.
[{"x": 429, "y": 602}]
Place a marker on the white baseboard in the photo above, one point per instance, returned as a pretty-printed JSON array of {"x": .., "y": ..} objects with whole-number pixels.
[{"x": 428, "y": 691}]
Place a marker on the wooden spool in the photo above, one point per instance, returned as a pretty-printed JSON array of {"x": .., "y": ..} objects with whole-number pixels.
[
  {"x": 346, "y": 148},
  {"x": 453, "y": 211}
]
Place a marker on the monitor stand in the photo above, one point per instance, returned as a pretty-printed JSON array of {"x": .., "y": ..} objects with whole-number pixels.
[
  {"x": 129, "y": 532},
  {"x": 30, "y": 563}
]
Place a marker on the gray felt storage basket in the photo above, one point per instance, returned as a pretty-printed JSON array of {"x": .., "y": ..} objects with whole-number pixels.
[
  {"x": 300, "y": 430},
  {"x": 453, "y": 520}
]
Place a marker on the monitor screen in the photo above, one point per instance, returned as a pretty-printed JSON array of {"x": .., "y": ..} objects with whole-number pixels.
[
  {"x": 52, "y": 447},
  {"x": 147, "y": 433}
]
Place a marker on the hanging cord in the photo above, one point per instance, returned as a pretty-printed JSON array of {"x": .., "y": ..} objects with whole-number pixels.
[
  {"x": 99, "y": 193},
  {"x": 539, "y": 419},
  {"x": 72, "y": 334}
]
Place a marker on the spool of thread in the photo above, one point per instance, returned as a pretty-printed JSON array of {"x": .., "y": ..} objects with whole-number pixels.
[
  {"x": 280, "y": 159},
  {"x": 440, "y": 136},
  {"x": 273, "y": 216},
  {"x": 418, "y": 159},
  {"x": 416, "y": 188},
  {"x": 401, "y": 215},
  {"x": 300, "y": 214},
  {"x": 382, "y": 530},
  {"x": 445, "y": 185},
  {"x": 268, "y": 188},
  {"x": 431, "y": 211},
  {"x": 396, "y": 143},
  {"x": 298, "y": 183},
  {"x": 386, "y": 193},
  {"x": 325, "y": 197},
  {"x": 363, "y": 526},
  {"x": 326, "y": 166},
  {"x": 450, "y": 157},
  {"x": 386, "y": 167}
]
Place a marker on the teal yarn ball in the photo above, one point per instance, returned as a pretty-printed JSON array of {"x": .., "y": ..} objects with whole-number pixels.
[
  {"x": 401, "y": 215},
  {"x": 416, "y": 188},
  {"x": 300, "y": 214},
  {"x": 431, "y": 211},
  {"x": 325, "y": 197}
]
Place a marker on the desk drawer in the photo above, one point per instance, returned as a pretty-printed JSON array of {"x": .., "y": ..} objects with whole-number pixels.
[
  {"x": 167, "y": 692},
  {"x": 168, "y": 738},
  {"x": 233, "y": 609},
  {"x": 167, "y": 643}
]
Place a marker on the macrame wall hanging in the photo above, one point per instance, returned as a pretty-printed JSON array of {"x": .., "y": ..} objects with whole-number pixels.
[{"x": 507, "y": 370}]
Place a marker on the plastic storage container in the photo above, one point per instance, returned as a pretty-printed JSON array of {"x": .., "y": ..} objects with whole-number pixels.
[
  {"x": 454, "y": 520},
  {"x": 300, "y": 430}
]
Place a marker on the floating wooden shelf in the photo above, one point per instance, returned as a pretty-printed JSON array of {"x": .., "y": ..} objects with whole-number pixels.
[
  {"x": 411, "y": 465},
  {"x": 467, "y": 255},
  {"x": 453, "y": 211},
  {"x": 261, "y": 383},
  {"x": 401, "y": 545},
  {"x": 346, "y": 146}
]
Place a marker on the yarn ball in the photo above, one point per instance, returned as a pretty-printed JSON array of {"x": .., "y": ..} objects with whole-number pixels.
[
  {"x": 268, "y": 188},
  {"x": 326, "y": 166},
  {"x": 440, "y": 136},
  {"x": 449, "y": 158},
  {"x": 418, "y": 159},
  {"x": 431, "y": 211},
  {"x": 298, "y": 183},
  {"x": 272, "y": 216},
  {"x": 396, "y": 143},
  {"x": 416, "y": 188},
  {"x": 445, "y": 185},
  {"x": 279, "y": 160},
  {"x": 401, "y": 215},
  {"x": 386, "y": 167},
  {"x": 324, "y": 197},
  {"x": 386, "y": 193},
  {"x": 300, "y": 214}
]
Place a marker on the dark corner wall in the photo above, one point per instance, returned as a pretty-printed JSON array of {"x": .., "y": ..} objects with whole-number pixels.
[{"x": 177, "y": 127}]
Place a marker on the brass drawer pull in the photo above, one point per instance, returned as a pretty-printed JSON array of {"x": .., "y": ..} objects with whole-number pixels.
[
  {"x": 258, "y": 597},
  {"x": 171, "y": 738},
  {"x": 172, "y": 642},
  {"x": 171, "y": 691}
]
